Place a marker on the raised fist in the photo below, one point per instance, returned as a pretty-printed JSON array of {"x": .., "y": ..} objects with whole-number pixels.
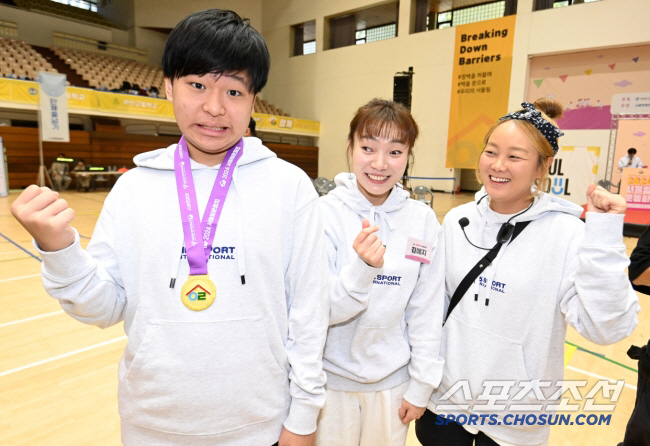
[{"x": 45, "y": 216}]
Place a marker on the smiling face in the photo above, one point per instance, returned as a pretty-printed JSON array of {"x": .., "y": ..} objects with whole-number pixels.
[
  {"x": 508, "y": 167},
  {"x": 212, "y": 111},
  {"x": 378, "y": 163}
]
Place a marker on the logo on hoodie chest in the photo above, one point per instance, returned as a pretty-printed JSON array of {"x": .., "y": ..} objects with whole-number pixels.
[
  {"x": 218, "y": 253},
  {"x": 499, "y": 287},
  {"x": 381, "y": 279}
]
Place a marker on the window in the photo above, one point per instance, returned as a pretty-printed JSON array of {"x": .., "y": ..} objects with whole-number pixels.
[
  {"x": 304, "y": 38},
  {"x": 309, "y": 47},
  {"x": 381, "y": 32},
  {"x": 471, "y": 14},
  {"x": 375, "y": 34},
  {"x": 365, "y": 26},
  {"x": 90, "y": 5},
  {"x": 548, "y": 4}
]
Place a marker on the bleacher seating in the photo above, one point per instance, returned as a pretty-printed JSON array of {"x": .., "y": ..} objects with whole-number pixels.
[
  {"x": 100, "y": 71},
  {"x": 20, "y": 59},
  {"x": 110, "y": 72},
  {"x": 64, "y": 10},
  {"x": 261, "y": 106}
]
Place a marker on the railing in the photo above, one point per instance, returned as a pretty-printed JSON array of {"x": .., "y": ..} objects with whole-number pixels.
[{"x": 100, "y": 47}]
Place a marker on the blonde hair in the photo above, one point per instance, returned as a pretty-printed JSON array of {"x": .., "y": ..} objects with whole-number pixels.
[{"x": 551, "y": 110}]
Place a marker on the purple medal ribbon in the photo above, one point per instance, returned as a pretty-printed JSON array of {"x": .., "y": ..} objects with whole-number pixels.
[{"x": 199, "y": 237}]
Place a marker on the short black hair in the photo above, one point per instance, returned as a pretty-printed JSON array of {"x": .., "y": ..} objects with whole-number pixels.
[
  {"x": 251, "y": 126},
  {"x": 216, "y": 41},
  {"x": 631, "y": 151}
]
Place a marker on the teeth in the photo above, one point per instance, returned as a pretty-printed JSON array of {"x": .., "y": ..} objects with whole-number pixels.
[
  {"x": 377, "y": 177},
  {"x": 500, "y": 180},
  {"x": 213, "y": 128}
]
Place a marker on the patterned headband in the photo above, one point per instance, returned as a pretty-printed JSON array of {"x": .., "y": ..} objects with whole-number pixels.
[{"x": 534, "y": 116}]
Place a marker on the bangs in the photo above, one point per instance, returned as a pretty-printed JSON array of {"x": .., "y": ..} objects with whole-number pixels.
[
  {"x": 383, "y": 130},
  {"x": 387, "y": 122}
]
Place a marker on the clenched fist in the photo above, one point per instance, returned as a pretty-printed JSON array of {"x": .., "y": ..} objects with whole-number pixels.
[
  {"x": 599, "y": 200},
  {"x": 368, "y": 246},
  {"x": 45, "y": 216}
]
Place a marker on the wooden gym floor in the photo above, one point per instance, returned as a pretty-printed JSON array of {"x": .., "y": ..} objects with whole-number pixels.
[{"x": 58, "y": 377}]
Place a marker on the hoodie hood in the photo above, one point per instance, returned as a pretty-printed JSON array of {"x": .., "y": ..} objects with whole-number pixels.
[
  {"x": 163, "y": 159},
  {"x": 542, "y": 204},
  {"x": 347, "y": 190}
]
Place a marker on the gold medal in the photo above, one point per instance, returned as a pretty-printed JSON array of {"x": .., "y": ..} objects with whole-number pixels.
[{"x": 198, "y": 293}]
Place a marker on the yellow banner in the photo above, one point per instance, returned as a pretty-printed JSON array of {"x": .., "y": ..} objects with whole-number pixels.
[
  {"x": 126, "y": 104},
  {"x": 283, "y": 124},
  {"x": 86, "y": 101},
  {"x": 20, "y": 92},
  {"x": 480, "y": 86}
]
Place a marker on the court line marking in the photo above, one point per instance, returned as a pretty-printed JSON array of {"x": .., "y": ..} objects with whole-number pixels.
[
  {"x": 593, "y": 375},
  {"x": 64, "y": 355},
  {"x": 19, "y": 247},
  {"x": 601, "y": 356},
  {"x": 20, "y": 277},
  {"x": 9, "y": 252},
  {"x": 33, "y": 318}
]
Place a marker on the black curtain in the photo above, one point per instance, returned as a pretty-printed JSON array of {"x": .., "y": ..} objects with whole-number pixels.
[
  {"x": 543, "y": 4},
  {"x": 343, "y": 31},
  {"x": 511, "y": 7},
  {"x": 421, "y": 13},
  {"x": 299, "y": 40}
]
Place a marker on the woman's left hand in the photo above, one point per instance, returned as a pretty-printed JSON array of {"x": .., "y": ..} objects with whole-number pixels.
[{"x": 599, "y": 200}]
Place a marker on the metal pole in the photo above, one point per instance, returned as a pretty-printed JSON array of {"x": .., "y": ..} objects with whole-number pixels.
[{"x": 43, "y": 178}]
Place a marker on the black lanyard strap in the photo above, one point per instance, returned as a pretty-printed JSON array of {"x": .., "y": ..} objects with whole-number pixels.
[{"x": 480, "y": 267}]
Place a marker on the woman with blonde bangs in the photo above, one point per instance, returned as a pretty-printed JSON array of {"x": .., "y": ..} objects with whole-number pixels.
[
  {"x": 385, "y": 254},
  {"x": 520, "y": 266}
]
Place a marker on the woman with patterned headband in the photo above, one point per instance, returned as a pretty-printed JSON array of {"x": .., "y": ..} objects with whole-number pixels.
[{"x": 520, "y": 266}]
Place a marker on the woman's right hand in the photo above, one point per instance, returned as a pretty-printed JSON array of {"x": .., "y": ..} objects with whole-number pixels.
[{"x": 368, "y": 246}]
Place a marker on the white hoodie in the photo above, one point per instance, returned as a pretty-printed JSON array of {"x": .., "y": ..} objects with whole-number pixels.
[
  {"x": 221, "y": 375},
  {"x": 385, "y": 323},
  {"x": 511, "y": 324}
]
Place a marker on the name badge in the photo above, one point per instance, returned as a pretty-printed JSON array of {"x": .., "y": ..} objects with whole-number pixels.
[{"x": 419, "y": 250}]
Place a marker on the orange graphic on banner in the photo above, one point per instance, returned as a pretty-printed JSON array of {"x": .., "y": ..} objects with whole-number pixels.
[{"x": 480, "y": 88}]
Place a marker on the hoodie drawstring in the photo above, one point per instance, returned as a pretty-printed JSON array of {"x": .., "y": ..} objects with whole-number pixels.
[
  {"x": 241, "y": 262},
  {"x": 383, "y": 218},
  {"x": 176, "y": 263},
  {"x": 241, "y": 254}
]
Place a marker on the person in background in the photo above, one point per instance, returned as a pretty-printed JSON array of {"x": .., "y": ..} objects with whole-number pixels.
[
  {"x": 630, "y": 160},
  {"x": 250, "y": 131},
  {"x": 82, "y": 179},
  {"x": 637, "y": 431},
  {"x": 60, "y": 173}
]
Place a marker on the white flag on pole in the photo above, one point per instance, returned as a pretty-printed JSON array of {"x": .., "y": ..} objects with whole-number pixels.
[{"x": 53, "y": 107}]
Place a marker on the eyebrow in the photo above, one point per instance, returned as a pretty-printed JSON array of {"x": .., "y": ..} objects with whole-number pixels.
[
  {"x": 236, "y": 77},
  {"x": 518, "y": 149},
  {"x": 372, "y": 138}
]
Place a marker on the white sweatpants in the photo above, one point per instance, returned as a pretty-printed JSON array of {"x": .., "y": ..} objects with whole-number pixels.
[{"x": 362, "y": 419}]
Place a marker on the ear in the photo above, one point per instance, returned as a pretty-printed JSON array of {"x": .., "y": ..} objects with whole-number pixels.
[
  {"x": 253, "y": 104},
  {"x": 168, "y": 89},
  {"x": 549, "y": 161}
]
